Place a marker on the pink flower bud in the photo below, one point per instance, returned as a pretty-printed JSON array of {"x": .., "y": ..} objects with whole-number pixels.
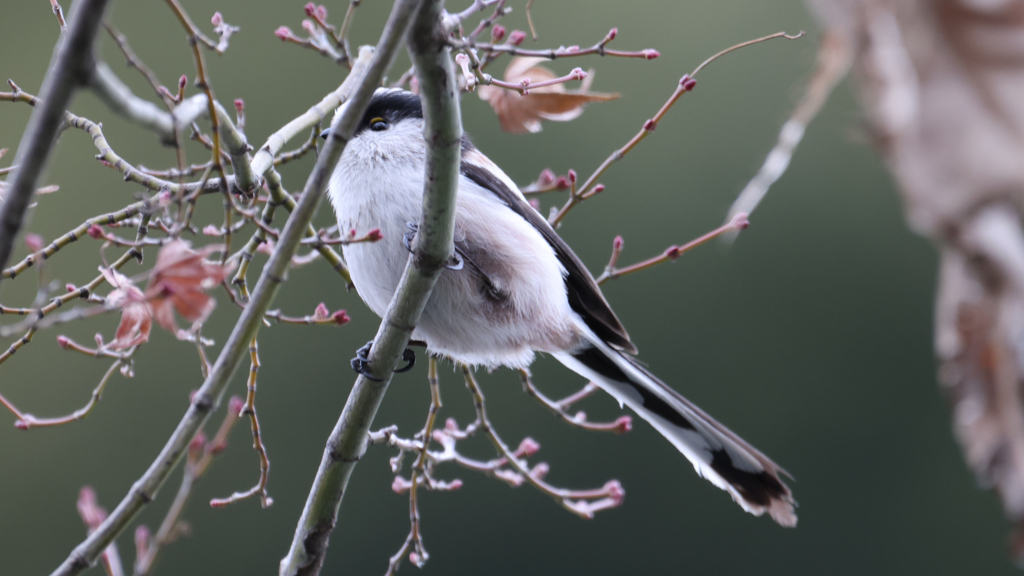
[
  {"x": 546, "y": 177},
  {"x": 740, "y": 221},
  {"x": 309, "y": 27},
  {"x": 310, "y": 9},
  {"x": 528, "y": 447},
  {"x": 497, "y": 33},
  {"x": 400, "y": 485},
  {"x": 615, "y": 491},
  {"x": 572, "y": 176},
  {"x": 284, "y": 33},
  {"x": 455, "y": 484},
  {"x": 612, "y": 34},
  {"x": 650, "y": 54},
  {"x": 374, "y": 235},
  {"x": 623, "y": 424},
  {"x": 34, "y": 242},
  {"x": 217, "y": 19},
  {"x": 562, "y": 183},
  {"x": 141, "y": 539},
  {"x": 211, "y": 230},
  {"x": 94, "y": 231},
  {"x": 235, "y": 405},
  {"x": 415, "y": 558},
  {"x": 597, "y": 189},
  {"x": 650, "y": 125},
  {"x": 517, "y": 37},
  {"x": 63, "y": 341},
  {"x": 688, "y": 83},
  {"x": 239, "y": 105},
  {"x": 182, "y": 82},
  {"x": 578, "y": 73},
  {"x": 321, "y": 12},
  {"x": 618, "y": 243},
  {"x": 70, "y": 287},
  {"x": 340, "y": 317},
  {"x": 573, "y": 48},
  {"x": 198, "y": 443},
  {"x": 21, "y": 425},
  {"x": 673, "y": 252},
  {"x": 321, "y": 311},
  {"x": 540, "y": 471}
]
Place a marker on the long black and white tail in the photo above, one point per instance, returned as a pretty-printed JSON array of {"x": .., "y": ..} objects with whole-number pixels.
[{"x": 716, "y": 452}]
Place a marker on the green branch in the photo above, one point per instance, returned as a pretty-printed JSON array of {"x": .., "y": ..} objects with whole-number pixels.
[{"x": 433, "y": 247}]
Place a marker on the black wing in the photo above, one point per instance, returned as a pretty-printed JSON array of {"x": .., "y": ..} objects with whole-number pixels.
[{"x": 585, "y": 297}]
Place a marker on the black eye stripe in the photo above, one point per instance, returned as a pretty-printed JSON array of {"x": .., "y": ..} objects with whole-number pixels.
[{"x": 391, "y": 106}]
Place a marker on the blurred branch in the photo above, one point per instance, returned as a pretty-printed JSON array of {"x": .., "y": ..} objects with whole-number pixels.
[
  {"x": 120, "y": 98},
  {"x": 835, "y": 53},
  {"x": 433, "y": 247},
  {"x": 67, "y": 72}
]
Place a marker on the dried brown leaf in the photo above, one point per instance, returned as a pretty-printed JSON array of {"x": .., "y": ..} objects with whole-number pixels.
[
  {"x": 519, "y": 113},
  {"x": 180, "y": 281}
]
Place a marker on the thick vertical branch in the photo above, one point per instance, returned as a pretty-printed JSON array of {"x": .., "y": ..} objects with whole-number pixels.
[
  {"x": 361, "y": 87},
  {"x": 433, "y": 247},
  {"x": 69, "y": 70}
]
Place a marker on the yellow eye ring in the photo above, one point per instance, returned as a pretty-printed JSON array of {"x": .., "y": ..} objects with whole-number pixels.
[{"x": 378, "y": 124}]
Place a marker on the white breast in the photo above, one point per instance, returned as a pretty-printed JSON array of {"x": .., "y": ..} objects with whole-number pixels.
[{"x": 376, "y": 188}]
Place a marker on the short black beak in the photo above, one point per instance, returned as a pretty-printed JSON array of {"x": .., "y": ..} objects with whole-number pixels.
[{"x": 325, "y": 134}]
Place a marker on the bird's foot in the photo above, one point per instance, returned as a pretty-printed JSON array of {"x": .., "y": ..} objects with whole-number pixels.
[
  {"x": 410, "y": 235},
  {"x": 361, "y": 363}
]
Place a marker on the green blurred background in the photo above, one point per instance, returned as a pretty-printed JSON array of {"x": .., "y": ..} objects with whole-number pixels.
[{"x": 811, "y": 336}]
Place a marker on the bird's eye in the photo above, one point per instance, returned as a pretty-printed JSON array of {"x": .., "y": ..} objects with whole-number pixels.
[{"x": 378, "y": 125}]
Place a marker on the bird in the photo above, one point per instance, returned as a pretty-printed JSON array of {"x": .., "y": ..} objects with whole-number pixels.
[{"x": 514, "y": 288}]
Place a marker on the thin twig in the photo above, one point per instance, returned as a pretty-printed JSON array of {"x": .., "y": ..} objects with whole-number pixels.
[
  {"x": 249, "y": 409},
  {"x": 834, "y": 57},
  {"x": 69, "y": 65},
  {"x": 560, "y": 407},
  {"x": 210, "y": 393},
  {"x": 671, "y": 254},
  {"x": 414, "y": 541},
  {"x": 686, "y": 84},
  {"x": 583, "y": 503},
  {"x": 433, "y": 246}
]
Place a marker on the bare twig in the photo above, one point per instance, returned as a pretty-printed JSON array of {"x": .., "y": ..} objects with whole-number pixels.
[
  {"x": 200, "y": 456},
  {"x": 834, "y": 56},
  {"x": 249, "y": 409},
  {"x": 560, "y": 408},
  {"x": 433, "y": 246},
  {"x": 66, "y": 73},
  {"x": 583, "y": 503},
  {"x": 59, "y": 13},
  {"x": 212, "y": 390},
  {"x": 686, "y": 84},
  {"x": 671, "y": 254},
  {"x": 413, "y": 545},
  {"x": 598, "y": 49}
]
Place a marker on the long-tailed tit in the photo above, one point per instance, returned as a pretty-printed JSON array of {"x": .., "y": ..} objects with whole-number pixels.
[{"x": 515, "y": 288}]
